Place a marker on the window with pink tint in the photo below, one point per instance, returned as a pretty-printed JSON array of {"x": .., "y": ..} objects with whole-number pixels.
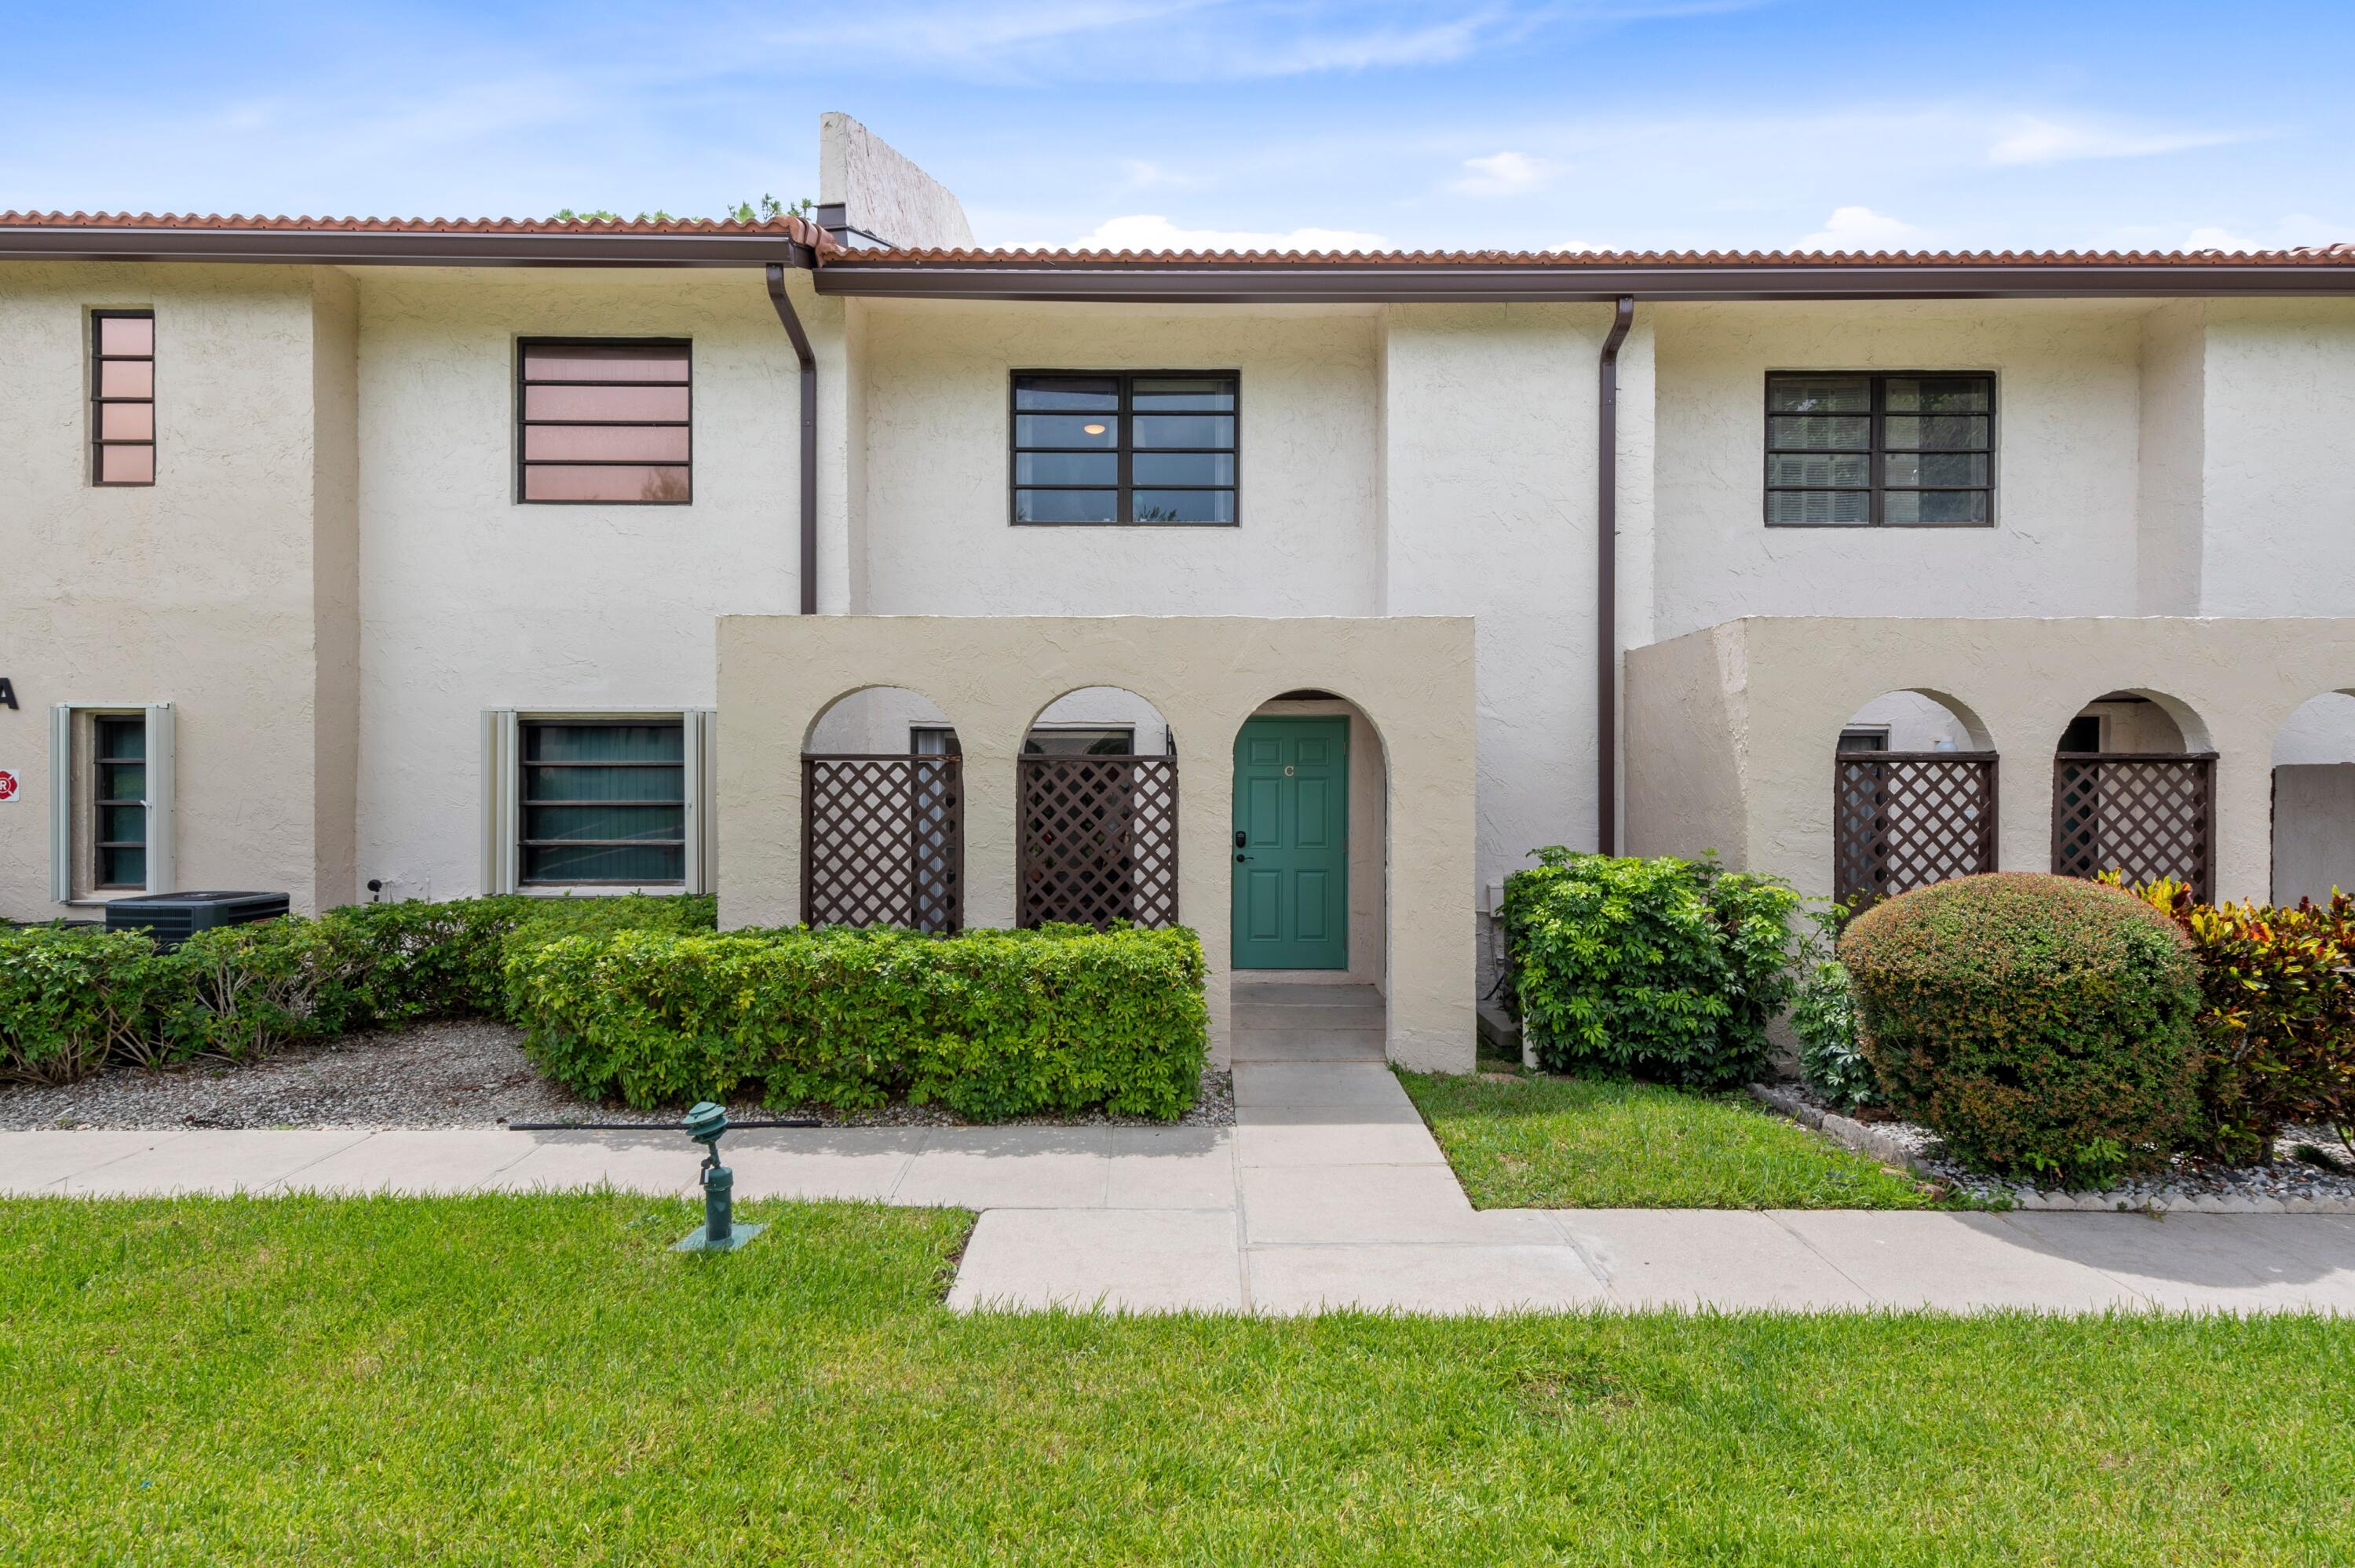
[
  {"x": 604, "y": 421},
  {"x": 122, "y": 396}
]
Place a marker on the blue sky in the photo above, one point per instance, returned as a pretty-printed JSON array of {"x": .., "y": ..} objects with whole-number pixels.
[{"x": 1492, "y": 123}]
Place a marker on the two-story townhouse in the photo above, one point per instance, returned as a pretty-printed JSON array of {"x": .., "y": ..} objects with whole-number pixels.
[{"x": 856, "y": 573}]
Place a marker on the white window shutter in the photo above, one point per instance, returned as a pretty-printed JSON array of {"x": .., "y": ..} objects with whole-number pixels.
[
  {"x": 695, "y": 743},
  {"x": 163, "y": 840},
  {"x": 61, "y": 803},
  {"x": 499, "y": 800}
]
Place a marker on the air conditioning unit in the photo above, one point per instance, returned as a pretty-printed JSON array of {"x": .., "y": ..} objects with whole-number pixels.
[{"x": 172, "y": 919}]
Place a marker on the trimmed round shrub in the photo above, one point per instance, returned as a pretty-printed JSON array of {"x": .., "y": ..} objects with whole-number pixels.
[{"x": 2041, "y": 1025}]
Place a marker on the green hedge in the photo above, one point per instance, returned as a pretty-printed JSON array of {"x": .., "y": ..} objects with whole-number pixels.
[
  {"x": 1668, "y": 969},
  {"x": 990, "y": 1023},
  {"x": 74, "y": 998},
  {"x": 2039, "y": 1025}
]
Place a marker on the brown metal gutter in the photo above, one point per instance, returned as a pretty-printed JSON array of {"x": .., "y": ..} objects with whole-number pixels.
[
  {"x": 792, "y": 323},
  {"x": 396, "y": 248},
  {"x": 1444, "y": 281},
  {"x": 1606, "y": 582}
]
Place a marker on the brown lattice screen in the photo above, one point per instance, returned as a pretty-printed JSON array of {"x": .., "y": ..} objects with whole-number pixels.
[
  {"x": 1902, "y": 820},
  {"x": 1099, "y": 840},
  {"x": 883, "y": 841},
  {"x": 2147, "y": 815}
]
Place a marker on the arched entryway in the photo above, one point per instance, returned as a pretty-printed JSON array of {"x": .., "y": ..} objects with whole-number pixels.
[
  {"x": 2314, "y": 800},
  {"x": 1309, "y": 918},
  {"x": 1097, "y": 790},
  {"x": 1914, "y": 797},
  {"x": 883, "y": 813},
  {"x": 2134, "y": 792}
]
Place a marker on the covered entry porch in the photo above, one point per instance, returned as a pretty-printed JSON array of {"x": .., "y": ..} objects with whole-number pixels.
[
  {"x": 2076, "y": 745},
  {"x": 1390, "y": 700}
]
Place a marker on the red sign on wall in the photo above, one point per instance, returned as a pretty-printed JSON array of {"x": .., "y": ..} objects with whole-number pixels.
[{"x": 7, "y": 785}]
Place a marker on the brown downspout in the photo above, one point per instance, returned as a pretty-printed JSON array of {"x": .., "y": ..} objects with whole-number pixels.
[
  {"x": 803, "y": 257},
  {"x": 1606, "y": 584}
]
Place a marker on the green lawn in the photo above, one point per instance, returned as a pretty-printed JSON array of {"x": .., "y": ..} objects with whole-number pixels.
[
  {"x": 1608, "y": 1143},
  {"x": 504, "y": 1380}
]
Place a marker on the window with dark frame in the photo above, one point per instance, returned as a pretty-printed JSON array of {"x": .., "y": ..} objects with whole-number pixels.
[
  {"x": 119, "y": 802},
  {"x": 1125, "y": 447},
  {"x": 1900, "y": 449},
  {"x": 122, "y": 396},
  {"x": 604, "y": 421},
  {"x": 602, "y": 801}
]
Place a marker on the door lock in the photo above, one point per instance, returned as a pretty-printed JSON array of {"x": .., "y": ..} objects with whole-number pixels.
[{"x": 1241, "y": 838}]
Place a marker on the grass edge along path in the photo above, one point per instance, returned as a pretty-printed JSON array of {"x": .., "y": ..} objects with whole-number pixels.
[
  {"x": 1580, "y": 1143},
  {"x": 512, "y": 1378}
]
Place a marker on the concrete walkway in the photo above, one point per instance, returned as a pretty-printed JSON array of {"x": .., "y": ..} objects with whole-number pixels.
[{"x": 1328, "y": 1191}]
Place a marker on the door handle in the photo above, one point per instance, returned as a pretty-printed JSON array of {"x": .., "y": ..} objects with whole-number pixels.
[{"x": 1241, "y": 858}]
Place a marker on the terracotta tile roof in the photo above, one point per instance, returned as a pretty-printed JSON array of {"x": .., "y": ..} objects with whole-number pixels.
[
  {"x": 799, "y": 230},
  {"x": 2343, "y": 254}
]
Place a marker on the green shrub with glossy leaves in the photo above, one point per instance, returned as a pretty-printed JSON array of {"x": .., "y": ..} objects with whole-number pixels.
[
  {"x": 991, "y": 1024},
  {"x": 2041, "y": 1025},
  {"x": 1667, "y": 969}
]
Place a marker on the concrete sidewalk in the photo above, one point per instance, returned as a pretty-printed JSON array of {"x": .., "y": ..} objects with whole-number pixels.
[{"x": 1329, "y": 1192}]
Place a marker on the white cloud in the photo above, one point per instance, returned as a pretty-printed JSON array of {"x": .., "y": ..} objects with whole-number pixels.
[
  {"x": 1862, "y": 229},
  {"x": 1150, "y": 231},
  {"x": 2297, "y": 228},
  {"x": 1144, "y": 175},
  {"x": 2032, "y": 140},
  {"x": 1502, "y": 173}
]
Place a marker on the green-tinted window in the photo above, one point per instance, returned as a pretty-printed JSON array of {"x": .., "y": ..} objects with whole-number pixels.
[
  {"x": 1893, "y": 448},
  {"x": 119, "y": 815},
  {"x": 604, "y": 801},
  {"x": 1125, "y": 447}
]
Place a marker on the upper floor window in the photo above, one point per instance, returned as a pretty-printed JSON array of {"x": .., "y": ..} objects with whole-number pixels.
[
  {"x": 604, "y": 421},
  {"x": 1901, "y": 449},
  {"x": 1125, "y": 447},
  {"x": 122, "y": 396}
]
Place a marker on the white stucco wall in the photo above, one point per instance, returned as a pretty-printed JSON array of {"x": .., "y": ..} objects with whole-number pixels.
[
  {"x": 474, "y": 601},
  {"x": 1489, "y": 454},
  {"x": 1915, "y": 722},
  {"x": 1733, "y": 727},
  {"x": 2069, "y": 408},
  {"x": 2313, "y": 831},
  {"x": 210, "y": 589},
  {"x": 2321, "y": 730},
  {"x": 937, "y": 388},
  {"x": 882, "y": 191},
  {"x": 2280, "y": 506},
  {"x": 2173, "y": 458}
]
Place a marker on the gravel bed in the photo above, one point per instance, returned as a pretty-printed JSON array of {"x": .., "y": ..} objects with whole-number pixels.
[
  {"x": 467, "y": 1073},
  {"x": 2286, "y": 1184}
]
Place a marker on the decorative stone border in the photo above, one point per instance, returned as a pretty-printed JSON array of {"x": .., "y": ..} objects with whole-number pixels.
[{"x": 1881, "y": 1145}]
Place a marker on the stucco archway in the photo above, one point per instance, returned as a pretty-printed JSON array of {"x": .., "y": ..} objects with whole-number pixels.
[{"x": 1412, "y": 677}]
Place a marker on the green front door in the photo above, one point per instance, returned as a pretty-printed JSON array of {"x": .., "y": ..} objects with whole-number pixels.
[{"x": 1292, "y": 844}]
